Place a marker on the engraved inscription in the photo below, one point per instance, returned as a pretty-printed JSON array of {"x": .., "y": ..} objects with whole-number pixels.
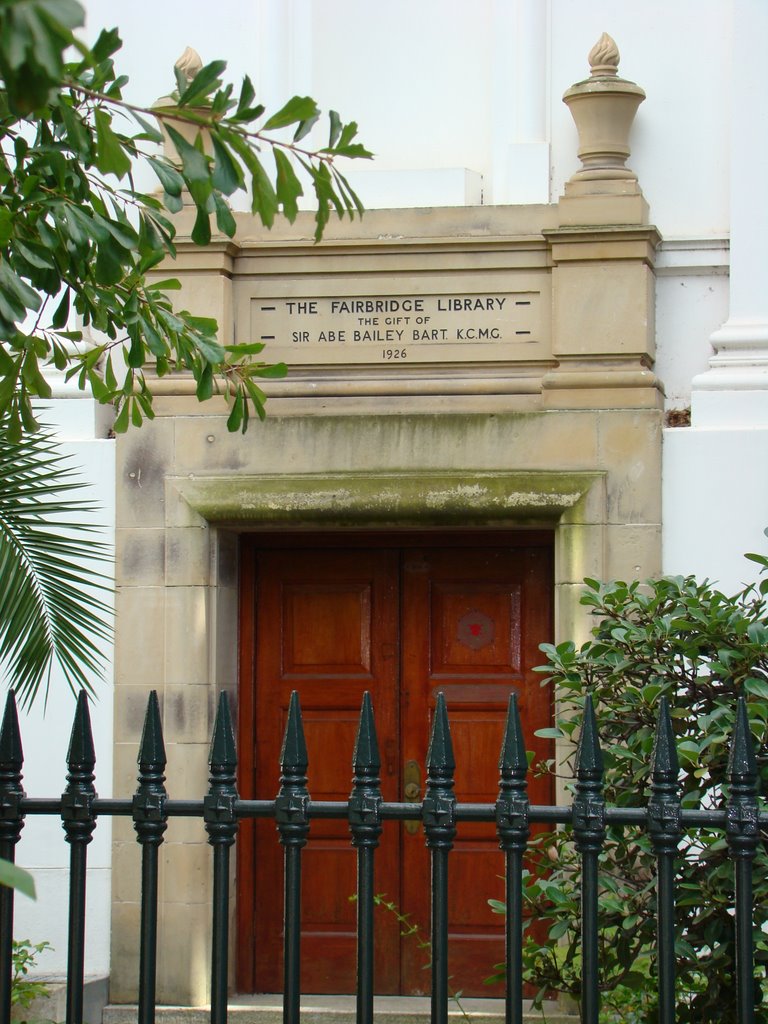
[{"x": 399, "y": 328}]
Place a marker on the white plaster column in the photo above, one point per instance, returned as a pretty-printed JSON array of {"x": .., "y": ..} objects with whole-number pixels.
[
  {"x": 520, "y": 94},
  {"x": 734, "y": 390}
]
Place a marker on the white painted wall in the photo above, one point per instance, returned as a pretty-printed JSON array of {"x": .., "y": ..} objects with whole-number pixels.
[
  {"x": 45, "y": 732},
  {"x": 715, "y": 503}
]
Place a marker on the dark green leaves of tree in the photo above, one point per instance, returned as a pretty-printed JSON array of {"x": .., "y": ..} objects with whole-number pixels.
[
  {"x": 35, "y": 34},
  {"x": 78, "y": 240}
]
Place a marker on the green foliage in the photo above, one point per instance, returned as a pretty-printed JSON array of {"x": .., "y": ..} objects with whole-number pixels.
[
  {"x": 50, "y": 609},
  {"x": 17, "y": 878},
  {"x": 23, "y": 990},
  {"x": 77, "y": 237},
  {"x": 687, "y": 641}
]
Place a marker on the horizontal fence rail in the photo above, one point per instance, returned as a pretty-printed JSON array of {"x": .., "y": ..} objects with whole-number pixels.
[{"x": 441, "y": 814}]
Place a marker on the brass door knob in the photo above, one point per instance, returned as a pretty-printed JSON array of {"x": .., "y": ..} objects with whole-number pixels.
[{"x": 412, "y": 791}]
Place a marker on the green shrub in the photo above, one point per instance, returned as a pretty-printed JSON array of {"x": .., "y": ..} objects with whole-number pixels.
[
  {"x": 24, "y": 991},
  {"x": 701, "y": 649}
]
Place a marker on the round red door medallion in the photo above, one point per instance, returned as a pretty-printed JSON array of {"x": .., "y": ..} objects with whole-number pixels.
[{"x": 475, "y": 630}]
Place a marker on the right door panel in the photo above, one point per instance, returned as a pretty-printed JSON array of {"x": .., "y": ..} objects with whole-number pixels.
[{"x": 471, "y": 622}]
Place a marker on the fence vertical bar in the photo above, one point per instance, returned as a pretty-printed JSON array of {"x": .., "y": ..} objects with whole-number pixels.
[
  {"x": 11, "y": 824},
  {"x": 78, "y": 821},
  {"x": 219, "y": 814},
  {"x": 512, "y": 809},
  {"x": 439, "y": 817},
  {"x": 365, "y": 825},
  {"x": 665, "y": 831},
  {"x": 742, "y": 829},
  {"x": 150, "y": 821},
  {"x": 589, "y": 835},
  {"x": 292, "y": 817}
]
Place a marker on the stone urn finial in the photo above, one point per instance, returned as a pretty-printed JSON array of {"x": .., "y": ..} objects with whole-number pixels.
[
  {"x": 603, "y": 107},
  {"x": 604, "y": 56},
  {"x": 189, "y": 63},
  {"x": 186, "y": 68}
]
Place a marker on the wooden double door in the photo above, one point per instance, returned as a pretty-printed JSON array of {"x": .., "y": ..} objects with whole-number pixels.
[{"x": 402, "y": 617}]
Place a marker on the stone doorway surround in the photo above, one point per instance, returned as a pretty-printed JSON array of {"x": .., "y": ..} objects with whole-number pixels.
[
  {"x": 562, "y": 432},
  {"x": 522, "y": 397}
]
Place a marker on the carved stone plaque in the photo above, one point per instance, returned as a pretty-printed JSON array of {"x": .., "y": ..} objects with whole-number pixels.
[{"x": 402, "y": 328}]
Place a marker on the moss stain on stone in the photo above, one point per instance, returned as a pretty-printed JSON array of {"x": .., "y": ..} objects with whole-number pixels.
[{"x": 373, "y": 498}]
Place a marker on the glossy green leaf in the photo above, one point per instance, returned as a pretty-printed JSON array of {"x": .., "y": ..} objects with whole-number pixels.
[
  {"x": 194, "y": 163},
  {"x": 34, "y": 255},
  {"x": 156, "y": 344},
  {"x": 61, "y": 313},
  {"x": 264, "y": 199},
  {"x": 241, "y": 350},
  {"x": 111, "y": 157},
  {"x": 167, "y": 284},
  {"x": 168, "y": 176},
  {"x": 205, "y": 81},
  {"x": 108, "y": 268},
  {"x": 201, "y": 230},
  {"x": 298, "y": 108},
  {"x": 354, "y": 150},
  {"x": 305, "y": 127},
  {"x": 107, "y": 43},
  {"x": 6, "y": 225},
  {"x": 224, "y": 219},
  {"x": 273, "y": 371},
  {"x": 34, "y": 38},
  {"x": 17, "y": 290},
  {"x": 208, "y": 347},
  {"x": 288, "y": 186},
  {"x": 334, "y": 128},
  {"x": 227, "y": 173},
  {"x": 204, "y": 388},
  {"x": 149, "y": 131},
  {"x": 14, "y": 877},
  {"x": 235, "y": 418},
  {"x": 247, "y": 95}
]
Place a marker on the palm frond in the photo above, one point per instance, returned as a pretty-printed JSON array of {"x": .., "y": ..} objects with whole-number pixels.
[{"x": 51, "y": 588}]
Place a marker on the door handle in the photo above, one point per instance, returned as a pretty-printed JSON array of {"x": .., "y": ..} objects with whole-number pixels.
[{"x": 412, "y": 791}]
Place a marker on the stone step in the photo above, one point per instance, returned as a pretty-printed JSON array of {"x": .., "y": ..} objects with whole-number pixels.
[
  {"x": 53, "y": 1006},
  {"x": 268, "y": 1009}
]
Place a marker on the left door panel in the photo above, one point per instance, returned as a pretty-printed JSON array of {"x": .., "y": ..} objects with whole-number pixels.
[{"x": 326, "y": 625}]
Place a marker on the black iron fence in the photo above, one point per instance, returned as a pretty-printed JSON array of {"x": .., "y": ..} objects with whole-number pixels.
[{"x": 440, "y": 813}]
